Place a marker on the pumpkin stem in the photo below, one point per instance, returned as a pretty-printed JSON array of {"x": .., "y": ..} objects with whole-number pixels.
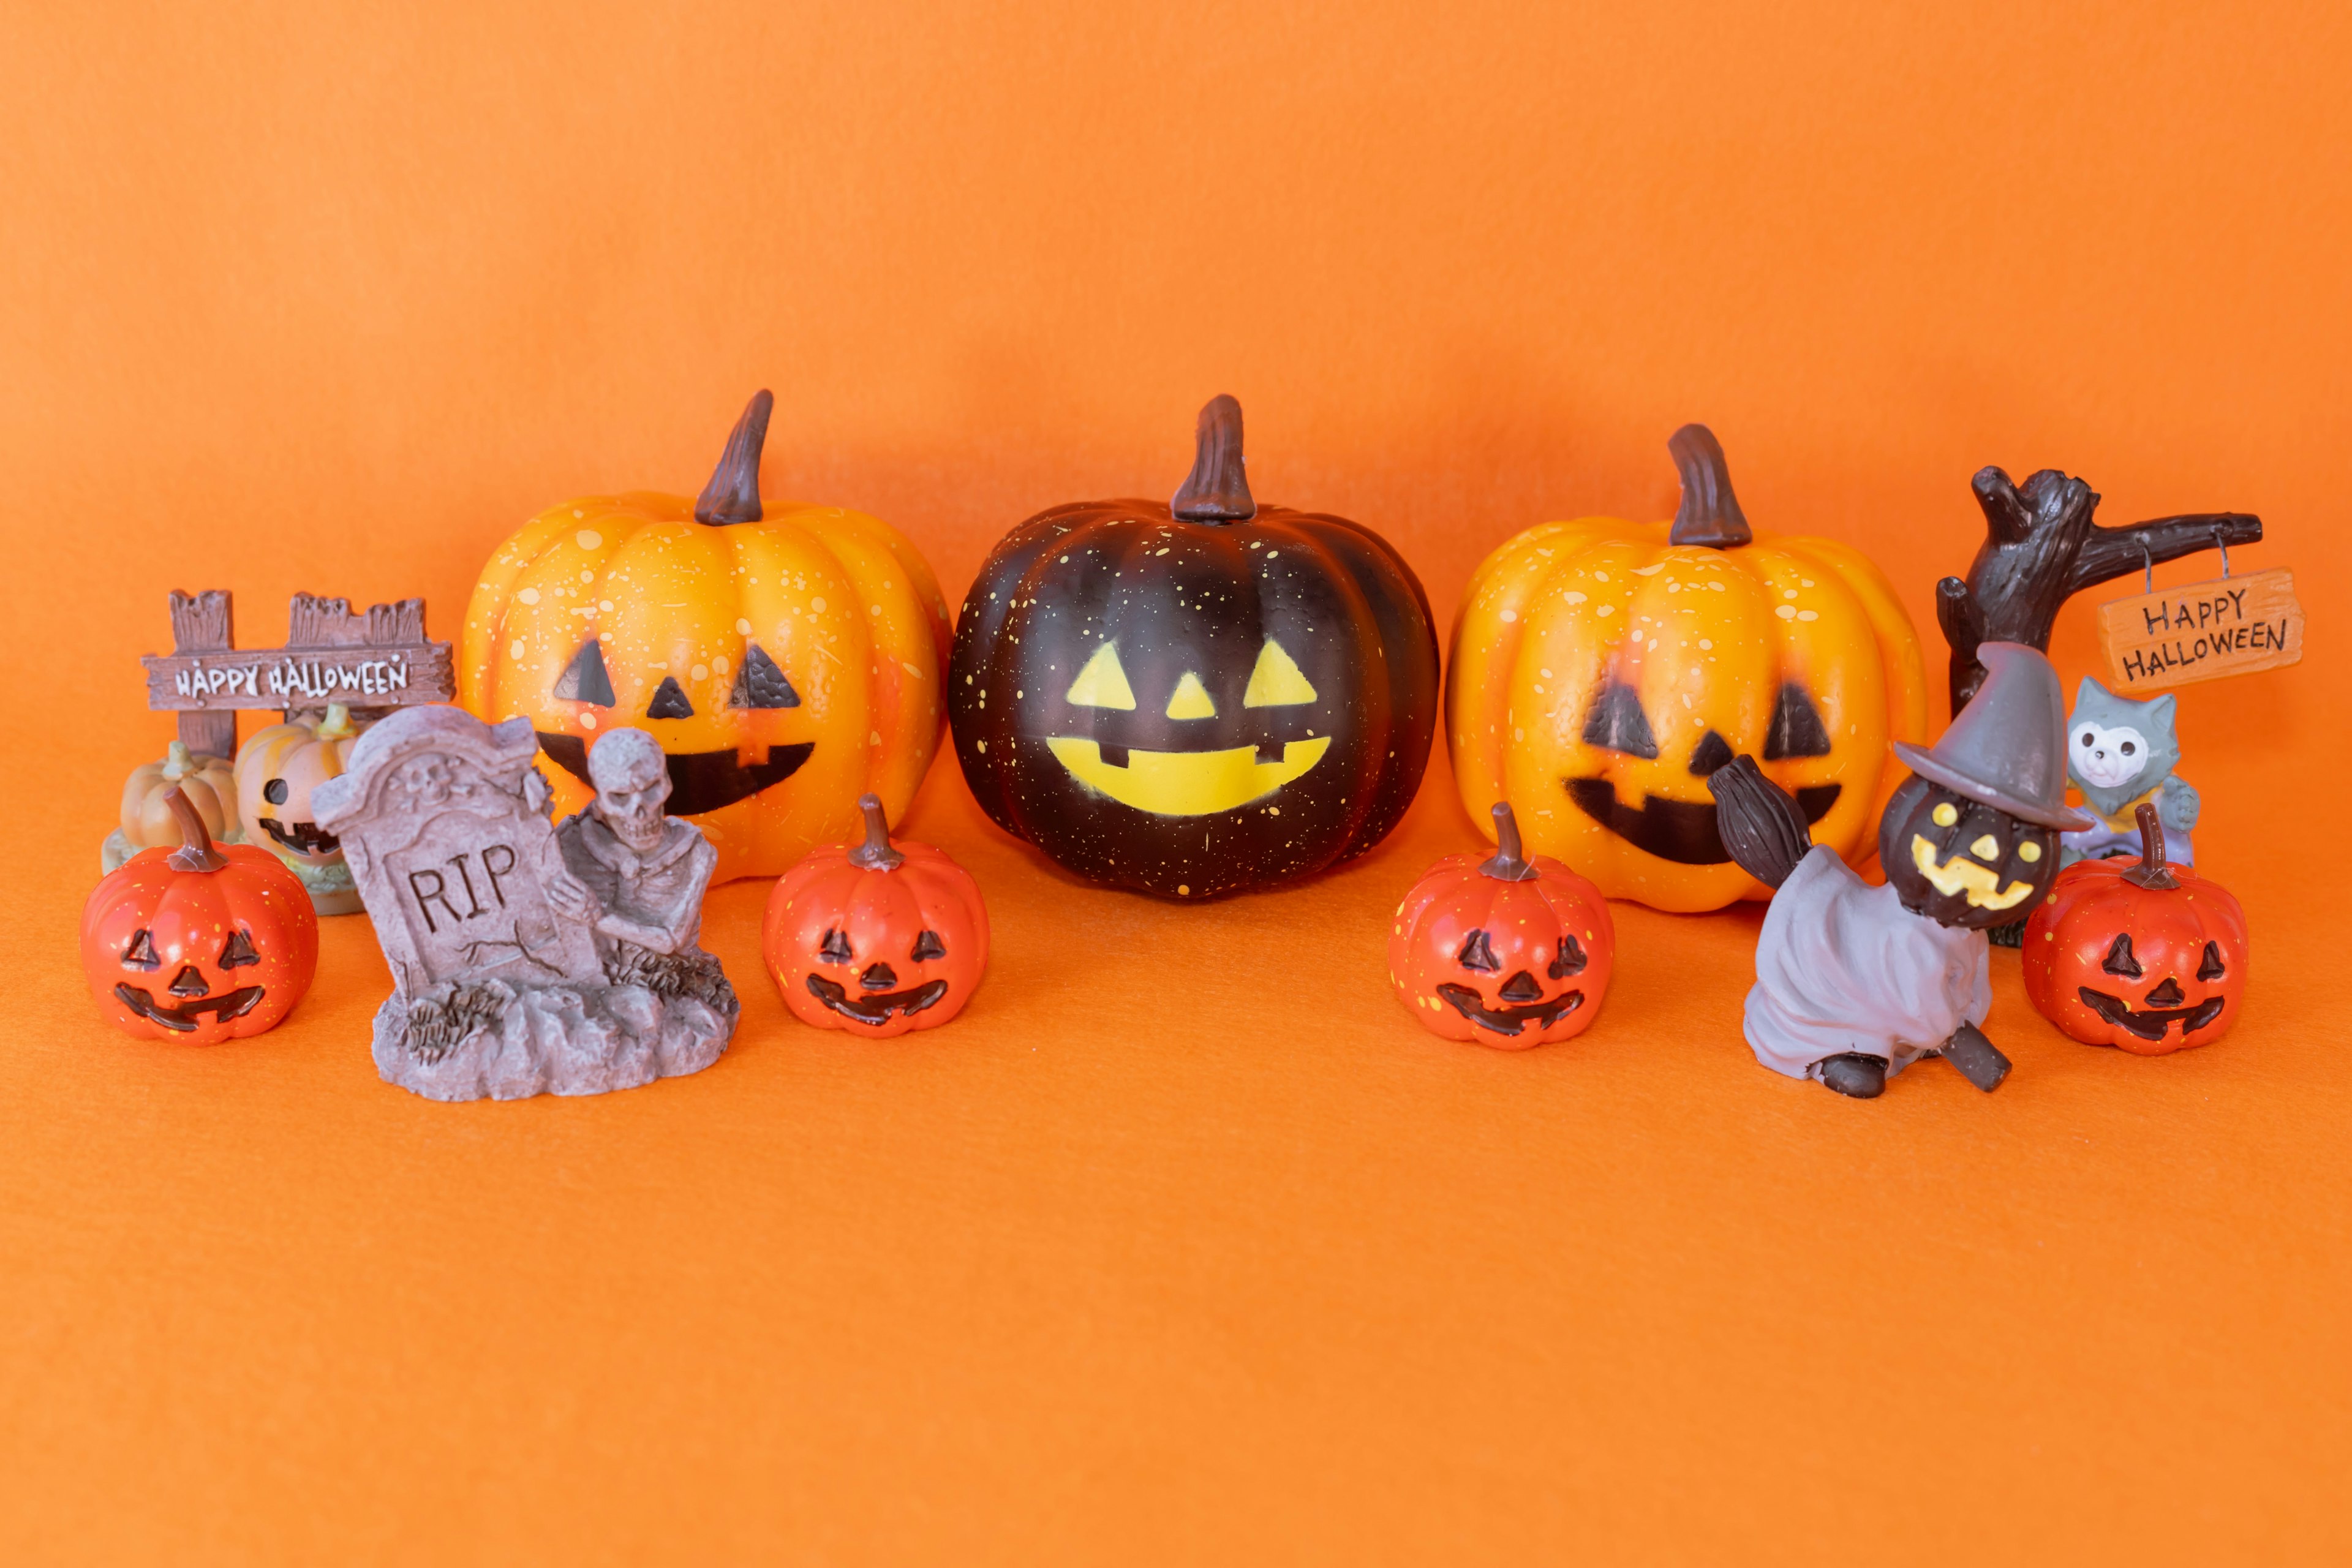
[
  {"x": 337, "y": 725},
  {"x": 195, "y": 852},
  {"x": 2152, "y": 872},
  {"x": 1508, "y": 863},
  {"x": 875, "y": 854},
  {"x": 1710, "y": 513},
  {"x": 733, "y": 493},
  {"x": 178, "y": 760},
  {"x": 1217, "y": 489}
]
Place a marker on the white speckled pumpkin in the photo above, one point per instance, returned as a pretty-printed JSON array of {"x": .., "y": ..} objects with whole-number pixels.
[{"x": 789, "y": 657}]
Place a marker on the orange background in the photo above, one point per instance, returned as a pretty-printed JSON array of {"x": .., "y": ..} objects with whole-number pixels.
[{"x": 1185, "y": 1242}]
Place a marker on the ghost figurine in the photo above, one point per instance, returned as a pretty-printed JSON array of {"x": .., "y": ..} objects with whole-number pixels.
[
  {"x": 2121, "y": 753},
  {"x": 1854, "y": 983}
]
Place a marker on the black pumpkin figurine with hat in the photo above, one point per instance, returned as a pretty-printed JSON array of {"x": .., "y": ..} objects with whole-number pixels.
[{"x": 1854, "y": 983}]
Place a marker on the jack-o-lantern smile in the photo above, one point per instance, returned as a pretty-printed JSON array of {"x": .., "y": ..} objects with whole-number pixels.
[
  {"x": 302, "y": 837},
  {"x": 1189, "y": 783},
  {"x": 1522, "y": 995},
  {"x": 2165, "y": 1003},
  {"x": 1967, "y": 875},
  {"x": 182, "y": 1016},
  {"x": 873, "y": 1008}
]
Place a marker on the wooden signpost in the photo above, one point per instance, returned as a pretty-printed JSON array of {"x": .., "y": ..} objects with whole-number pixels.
[
  {"x": 371, "y": 663},
  {"x": 2202, "y": 631}
]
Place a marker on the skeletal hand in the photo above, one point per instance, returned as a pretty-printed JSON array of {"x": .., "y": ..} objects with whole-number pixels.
[{"x": 572, "y": 899}]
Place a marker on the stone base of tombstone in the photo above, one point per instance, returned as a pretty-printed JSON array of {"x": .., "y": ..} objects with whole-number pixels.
[{"x": 495, "y": 1040}]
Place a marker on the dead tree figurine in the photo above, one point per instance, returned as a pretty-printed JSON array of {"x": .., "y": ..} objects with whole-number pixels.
[{"x": 2041, "y": 549}]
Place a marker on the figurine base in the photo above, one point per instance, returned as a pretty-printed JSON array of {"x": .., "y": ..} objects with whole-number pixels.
[{"x": 494, "y": 1040}]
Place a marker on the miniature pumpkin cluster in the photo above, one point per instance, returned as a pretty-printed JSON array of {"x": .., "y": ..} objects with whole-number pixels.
[{"x": 1191, "y": 700}]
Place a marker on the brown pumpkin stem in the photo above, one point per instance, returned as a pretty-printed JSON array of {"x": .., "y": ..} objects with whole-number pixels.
[
  {"x": 733, "y": 493},
  {"x": 2152, "y": 872},
  {"x": 875, "y": 854},
  {"x": 1508, "y": 863},
  {"x": 1217, "y": 489},
  {"x": 1710, "y": 513},
  {"x": 195, "y": 852}
]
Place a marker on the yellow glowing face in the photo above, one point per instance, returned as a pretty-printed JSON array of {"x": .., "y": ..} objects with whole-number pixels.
[
  {"x": 1188, "y": 783},
  {"x": 1980, "y": 883}
]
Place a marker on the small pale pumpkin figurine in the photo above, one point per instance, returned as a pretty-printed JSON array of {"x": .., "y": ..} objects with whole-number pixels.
[
  {"x": 876, "y": 938},
  {"x": 276, "y": 771},
  {"x": 1502, "y": 950},
  {"x": 147, "y": 821}
]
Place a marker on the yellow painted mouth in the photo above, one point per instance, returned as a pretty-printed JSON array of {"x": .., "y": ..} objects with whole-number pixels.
[
  {"x": 1187, "y": 783},
  {"x": 1962, "y": 875}
]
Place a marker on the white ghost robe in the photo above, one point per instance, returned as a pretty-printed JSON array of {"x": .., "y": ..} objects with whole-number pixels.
[{"x": 1841, "y": 966}]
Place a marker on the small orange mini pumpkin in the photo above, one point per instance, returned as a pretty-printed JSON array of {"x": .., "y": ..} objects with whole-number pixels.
[
  {"x": 876, "y": 938},
  {"x": 147, "y": 819},
  {"x": 1505, "y": 951},
  {"x": 2122, "y": 951},
  {"x": 198, "y": 944}
]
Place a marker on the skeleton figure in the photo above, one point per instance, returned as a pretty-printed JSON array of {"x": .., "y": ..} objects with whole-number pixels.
[
  {"x": 1854, "y": 983},
  {"x": 636, "y": 876},
  {"x": 2120, "y": 753}
]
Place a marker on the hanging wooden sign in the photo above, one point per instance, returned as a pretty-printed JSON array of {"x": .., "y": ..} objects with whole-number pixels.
[
  {"x": 371, "y": 663},
  {"x": 2202, "y": 631}
]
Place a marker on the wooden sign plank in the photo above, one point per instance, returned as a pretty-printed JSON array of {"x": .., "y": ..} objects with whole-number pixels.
[
  {"x": 2202, "y": 631},
  {"x": 369, "y": 661}
]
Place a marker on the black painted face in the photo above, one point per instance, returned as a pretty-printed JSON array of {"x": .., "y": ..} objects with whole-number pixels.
[
  {"x": 1683, "y": 831},
  {"x": 700, "y": 780},
  {"x": 1519, "y": 1001},
  {"x": 1961, "y": 862},
  {"x": 870, "y": 994},
  {"x": 2164, "y": 1004},
  {"x": 196, "y": 996}
]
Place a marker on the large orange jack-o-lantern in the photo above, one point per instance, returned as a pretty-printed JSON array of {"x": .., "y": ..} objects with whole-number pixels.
[
  {"x": 1603, "y": 669},
  {"x": 2144, "y": 955},
  {"x": 1502, "y": 950},
  {"x": 198, "y": 944},
  {"x": 876, "y": 938},
  {"x": 788, "y": 657}
]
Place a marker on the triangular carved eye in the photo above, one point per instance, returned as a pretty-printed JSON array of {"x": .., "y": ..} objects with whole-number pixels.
[
  {"x": 1711, "y": 752},
  {"x": 2119, "y": 959},
  {"x": 1797, "y": 729},
  {"x": 1102, "y": 683},
  {"x": 237, "y": 951},
  {"x": 1568, "y": 960},
  {"x": 836, "y": 948},
  {"x": 1277, "y": 681},
  {"x": 669, "y": 701},
  {"x": 585, "y": 679},
  {"x": 929, "y": 946},
  {"x": 761, "y": 684},
  {"x": 1617, "y": 723},
  {"x": 2212, "y": 968},
  {"x": 140, "y": 953},
  {"x": 1477, "y": 954}
]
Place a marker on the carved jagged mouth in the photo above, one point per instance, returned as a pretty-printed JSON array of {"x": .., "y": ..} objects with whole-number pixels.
[
  {"x": 1509, "y": 1020},
  {"x": 1682, "y": 831},
  {"x": 2151, "y": 1025},
  {"x": 301, "y": 838},
  {"x": 874, "y": 1009},
  {"x": 228, "y": 1005},
  {"x": 698, "y": 781}
]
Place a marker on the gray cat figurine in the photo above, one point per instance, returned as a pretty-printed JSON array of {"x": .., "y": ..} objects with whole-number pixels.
[{"x": 2119, "y": 753}]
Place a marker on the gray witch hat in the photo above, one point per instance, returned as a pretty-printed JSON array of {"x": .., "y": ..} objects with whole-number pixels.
[{"x": 2008, "y": 747}]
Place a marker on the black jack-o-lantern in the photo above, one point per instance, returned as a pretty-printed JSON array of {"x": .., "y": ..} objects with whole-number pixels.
[
  {"x": 1961, "y": 862},
  {"x": 1195, "y": 697}
]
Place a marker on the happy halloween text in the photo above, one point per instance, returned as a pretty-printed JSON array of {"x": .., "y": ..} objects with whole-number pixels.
[
  {"x": 314, "y": 679},
  {"x": 2220, "y": 623}
]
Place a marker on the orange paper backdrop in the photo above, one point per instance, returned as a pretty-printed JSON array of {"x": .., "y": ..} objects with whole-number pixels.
[{"x": 1185, "y": 1242}]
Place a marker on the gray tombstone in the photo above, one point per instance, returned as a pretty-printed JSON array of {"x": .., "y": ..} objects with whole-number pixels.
[{"x": 495, "y": 990}]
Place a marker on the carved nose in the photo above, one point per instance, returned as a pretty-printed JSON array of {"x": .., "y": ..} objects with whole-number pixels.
[
  {"x": 2164, "y": 995},
  {"x": 878, "y": 977},
  {"x": 1521, "y": 988},
  {"x": 188, "y": 983}
]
